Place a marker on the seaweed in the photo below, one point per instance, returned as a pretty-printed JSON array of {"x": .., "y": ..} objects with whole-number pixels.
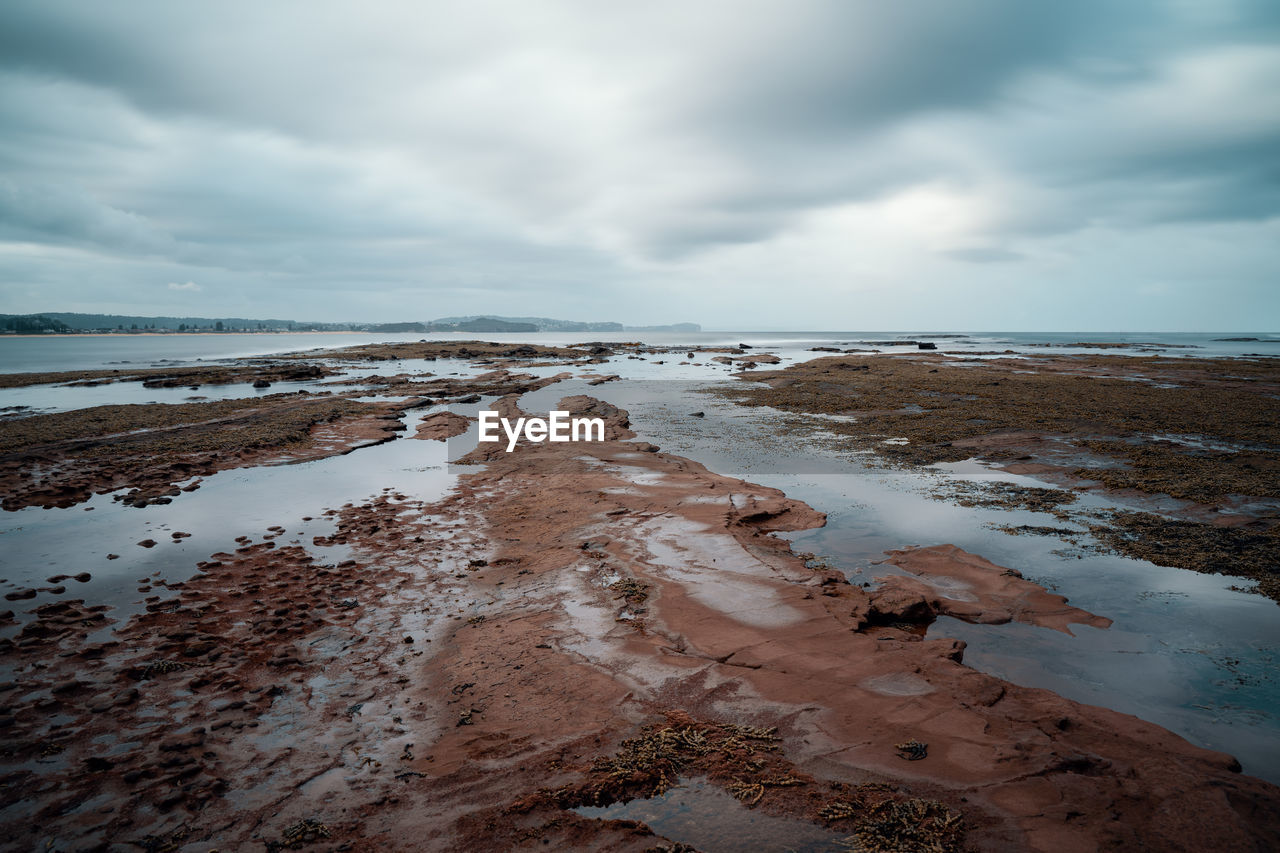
[
  {"x": 299, "y": 834},
  {"x": 630, "y": 589},
  {"x": 1197, "y": 546},
  {"x": 912, "y": 750},
  {"x": 747, "y": 761}
]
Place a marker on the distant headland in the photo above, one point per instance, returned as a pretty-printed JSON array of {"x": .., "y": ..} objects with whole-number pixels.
[{"x": 62, "y": 323}]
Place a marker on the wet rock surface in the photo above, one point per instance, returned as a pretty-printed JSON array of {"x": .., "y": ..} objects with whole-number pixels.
[
  {"x": 573, "y": 625},
  {"x": 1202, "y": 432}
]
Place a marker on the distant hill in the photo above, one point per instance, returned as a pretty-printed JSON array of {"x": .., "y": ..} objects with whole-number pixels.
[
  {"x": 479, "y": 324},
  {"x": 126, "y": 322},
  {"x": 537, "y": 324},
  {"x": 673, "y": 327},
  {"x": 58, "y": 322},
  {"x": 31, "y": 324}
]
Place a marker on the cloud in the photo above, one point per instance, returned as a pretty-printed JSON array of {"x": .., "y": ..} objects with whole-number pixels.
[
  {"x": 981, "y": 255},
  {"x": 425, "y": 157},
  {"x": 189, "y": 286},
  {"x": 58, "y": 213}
]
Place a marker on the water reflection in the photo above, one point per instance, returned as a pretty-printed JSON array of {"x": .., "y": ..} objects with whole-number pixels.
[{"x": 710, "y": 819}]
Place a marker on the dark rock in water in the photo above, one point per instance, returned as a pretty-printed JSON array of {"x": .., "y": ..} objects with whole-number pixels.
[
  {"x": 470, "y": 398},
  {"x": 823, "y": 349},
  {"x": 261, "y": 383},
  {"x": 148, "y": 543},
  {"x": 301, "y": 372},
  {"x": 690, "y": 355},
  {"x": 926, "y": 345},
  {"x": 97, "y": 764},
  {"x": 891, "y": 604},
  {"x": 697, "y": 414},
  {"x": 744, "y": 346},
  {"x": 520, "y": 352},
  {"x": 20, "y": 595}
]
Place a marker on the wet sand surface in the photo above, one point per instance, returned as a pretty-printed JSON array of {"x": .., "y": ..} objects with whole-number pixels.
[{"x": 489, "y": 656}]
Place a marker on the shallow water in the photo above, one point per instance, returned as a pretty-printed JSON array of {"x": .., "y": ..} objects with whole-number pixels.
[
  {"x": 38, "y": 543},
  {"x": 710, "y": 819},
  {"x": 40, "y": 399},
  {"x": 81, "y": 352}
]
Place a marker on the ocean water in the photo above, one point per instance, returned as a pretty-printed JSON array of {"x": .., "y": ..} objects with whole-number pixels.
[{"x": 19, "y": 354}]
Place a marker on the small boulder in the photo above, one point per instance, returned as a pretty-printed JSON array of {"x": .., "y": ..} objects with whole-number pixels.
[{"x": 893, "y": 604}]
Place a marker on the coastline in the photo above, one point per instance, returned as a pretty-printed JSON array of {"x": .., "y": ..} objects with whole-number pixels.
[{"x": 141, "y": 334}]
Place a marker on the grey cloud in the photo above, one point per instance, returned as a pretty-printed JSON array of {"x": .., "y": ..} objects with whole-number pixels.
[
  {"x": 863, "y": 65},
  {"x": 58, "y": 215},
  {"x": 550, "y": 151},
  {"x": 983, "y": 255}
]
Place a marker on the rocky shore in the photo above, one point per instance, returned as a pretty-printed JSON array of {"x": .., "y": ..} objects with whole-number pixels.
[
  {"x": 574, "y": 625},
  {"x": 1191, "y": 445}
]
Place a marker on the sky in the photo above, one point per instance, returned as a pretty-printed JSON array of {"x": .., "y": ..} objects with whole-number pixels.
[{"x": 925, "y": 165}]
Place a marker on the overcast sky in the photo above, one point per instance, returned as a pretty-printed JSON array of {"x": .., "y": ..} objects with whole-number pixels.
[{"x": 956, "y": 164}]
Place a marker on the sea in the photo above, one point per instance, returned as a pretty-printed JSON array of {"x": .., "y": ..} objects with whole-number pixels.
[{"x": 41, "y": 353}]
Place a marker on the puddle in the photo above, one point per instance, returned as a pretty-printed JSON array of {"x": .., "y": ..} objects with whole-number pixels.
[
  {"x": 710, "y": 819},
  {"x": 44, "y": 399},
  {"x": 37, "y": 543},
  {"x": 715, "y": 571}
]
